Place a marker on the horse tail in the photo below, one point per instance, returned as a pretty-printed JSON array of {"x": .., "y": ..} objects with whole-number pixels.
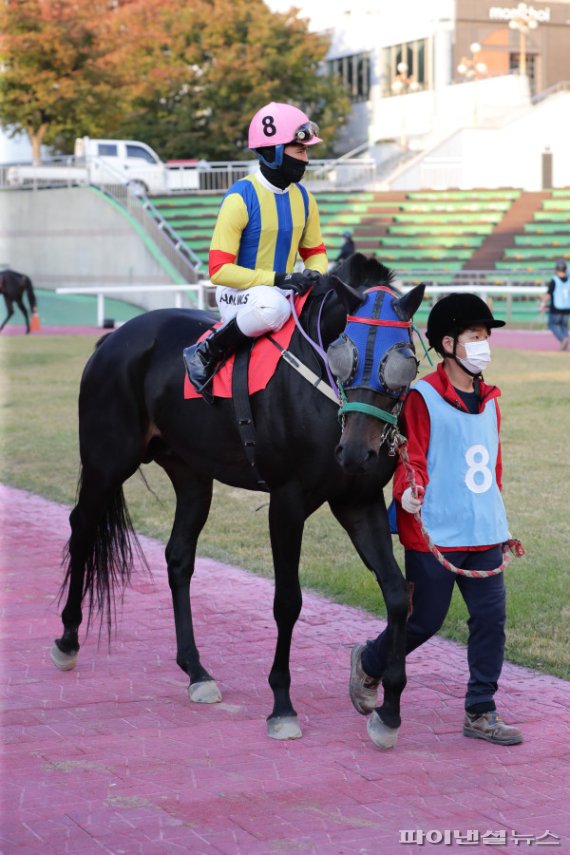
[
  {"x": 104, "y": 551},
  {"x": 29, "y": 289}
]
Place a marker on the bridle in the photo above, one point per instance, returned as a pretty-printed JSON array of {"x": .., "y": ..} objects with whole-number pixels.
[{"x": 364, "y": 361}]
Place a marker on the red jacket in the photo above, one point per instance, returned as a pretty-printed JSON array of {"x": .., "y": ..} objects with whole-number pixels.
[{"x": 416, "y": 428}]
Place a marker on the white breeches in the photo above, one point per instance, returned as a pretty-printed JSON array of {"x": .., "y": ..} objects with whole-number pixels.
[{"x": 257, "y": 310}]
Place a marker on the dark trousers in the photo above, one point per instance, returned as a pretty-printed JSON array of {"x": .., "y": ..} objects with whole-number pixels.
[
  {"x": 485, "y": 601},
  {"x": 558, "y": 324}
]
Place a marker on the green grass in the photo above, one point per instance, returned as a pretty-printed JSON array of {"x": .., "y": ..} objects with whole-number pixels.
[{"x": 38, "y": 404}]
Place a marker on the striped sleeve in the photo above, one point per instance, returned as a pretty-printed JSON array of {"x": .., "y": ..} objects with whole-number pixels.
[{"x": 312, "y": 249}]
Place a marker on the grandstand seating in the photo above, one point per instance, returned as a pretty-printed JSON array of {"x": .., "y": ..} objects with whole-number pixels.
[{"x": 432, "y": 234}]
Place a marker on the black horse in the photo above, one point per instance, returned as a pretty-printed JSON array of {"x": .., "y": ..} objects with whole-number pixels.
[
  {"x": 131, "y": 411},
  {"x": 13, "y": 286}
]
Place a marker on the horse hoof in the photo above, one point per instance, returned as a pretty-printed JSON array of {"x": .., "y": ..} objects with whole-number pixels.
[
  {"x": 381, "y": 735},
  {"x": 284, "y": 727},
  {"x": 61, "y": 660},
  {"x": 205, "y": 693}
]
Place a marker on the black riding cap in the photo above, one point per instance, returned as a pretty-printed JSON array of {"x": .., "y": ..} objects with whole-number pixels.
[{"x": 456, "y": 312}]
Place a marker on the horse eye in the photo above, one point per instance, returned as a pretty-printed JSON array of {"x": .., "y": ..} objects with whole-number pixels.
[{"x": 342, "y": 358}]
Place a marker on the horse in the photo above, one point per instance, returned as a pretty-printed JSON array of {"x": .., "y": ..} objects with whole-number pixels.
[
  {"x": 13, "y": 286},
  {"x": 132, "y": 411}
]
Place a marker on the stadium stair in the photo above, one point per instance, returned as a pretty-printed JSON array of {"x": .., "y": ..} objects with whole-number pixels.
[{"x": 543, "y": 239}]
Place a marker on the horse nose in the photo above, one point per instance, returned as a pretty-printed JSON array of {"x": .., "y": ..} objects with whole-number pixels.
[{"x": 354, "y": 458}]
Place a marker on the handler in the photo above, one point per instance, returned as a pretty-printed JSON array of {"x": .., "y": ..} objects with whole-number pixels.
[
  {"x": 557, "y": 301},
  {"x": 265, "y": 219},
  {"x": 451, "y": 420}
]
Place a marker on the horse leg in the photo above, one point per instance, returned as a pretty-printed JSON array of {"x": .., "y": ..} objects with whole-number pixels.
[
  {"x": 193, "y": 500},
  {"x": 367, "y": 527},
  {"x": 10, "y": 312},
  {"x": 24, "y": 311},
  {"x": 286, "y": 523}
]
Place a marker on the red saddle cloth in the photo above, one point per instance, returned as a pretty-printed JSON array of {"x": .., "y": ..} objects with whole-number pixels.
[{"x": 262, "y": 363}]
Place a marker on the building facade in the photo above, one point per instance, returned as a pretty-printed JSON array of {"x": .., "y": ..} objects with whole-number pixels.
[{"x": 416, "y": 75}]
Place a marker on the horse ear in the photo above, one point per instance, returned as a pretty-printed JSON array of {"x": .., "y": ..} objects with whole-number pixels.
[
  {"x": 350, "y": 298},
  {"x": 406, "y": 306}
]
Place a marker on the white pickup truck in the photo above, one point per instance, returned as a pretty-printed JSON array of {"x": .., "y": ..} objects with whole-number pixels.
[{"x": 96, "y": 161}]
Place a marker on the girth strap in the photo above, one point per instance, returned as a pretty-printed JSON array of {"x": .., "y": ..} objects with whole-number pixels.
[{"x": 242, "y": 409}]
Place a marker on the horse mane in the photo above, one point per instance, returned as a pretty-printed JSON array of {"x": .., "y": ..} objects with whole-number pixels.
[{"x": 360, "y": 271}]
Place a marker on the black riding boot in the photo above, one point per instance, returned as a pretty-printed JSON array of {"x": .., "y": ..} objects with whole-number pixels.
[{"x": 202, "y": 359}]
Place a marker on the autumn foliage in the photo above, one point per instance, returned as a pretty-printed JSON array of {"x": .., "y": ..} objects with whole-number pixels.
[{"x": 186, "y": 77}]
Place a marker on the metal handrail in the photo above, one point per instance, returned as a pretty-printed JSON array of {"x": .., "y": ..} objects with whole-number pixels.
[
  {"x": 176, "y": 251},
  {"x": 561, "y": 86},
  {"x": 165, "y": 227}
]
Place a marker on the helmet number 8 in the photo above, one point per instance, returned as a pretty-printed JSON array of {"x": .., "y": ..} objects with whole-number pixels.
[
  {"x": 477, "y": 458},
  {"x": 269, "y": 128}
]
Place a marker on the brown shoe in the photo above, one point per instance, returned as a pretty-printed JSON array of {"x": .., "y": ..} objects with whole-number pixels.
[
  {"x": 363, "y": 690},
  {"x": 490, "y": 726},
  {"x": 564, "y": 344}
]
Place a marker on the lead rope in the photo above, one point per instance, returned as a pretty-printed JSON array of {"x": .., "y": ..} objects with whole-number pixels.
[{"x": 510, "y": 548}]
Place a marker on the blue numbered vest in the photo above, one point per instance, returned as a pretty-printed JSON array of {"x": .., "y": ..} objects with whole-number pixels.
[
  {"x": 561, "y": 294},
  {"x": 462, "y": 504}
]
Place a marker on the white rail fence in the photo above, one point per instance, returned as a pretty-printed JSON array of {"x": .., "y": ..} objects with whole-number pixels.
[
  {"x": 179, "y": 291},
  {"x": 204, "y": 289}
]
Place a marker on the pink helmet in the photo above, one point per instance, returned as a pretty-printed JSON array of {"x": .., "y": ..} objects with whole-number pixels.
[{"x": 280, "y": 124}]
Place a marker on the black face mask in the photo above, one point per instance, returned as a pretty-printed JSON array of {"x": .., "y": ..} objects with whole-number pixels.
[
  {"x": 290, "y": 172},
  {"x": 292, "y": 168}
]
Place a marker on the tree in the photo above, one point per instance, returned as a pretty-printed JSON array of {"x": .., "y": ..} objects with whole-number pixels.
[
  {"x": 204, "y": 68},
  {"x": 57, "y": 74},
  {"x": 185, "y": 77}
]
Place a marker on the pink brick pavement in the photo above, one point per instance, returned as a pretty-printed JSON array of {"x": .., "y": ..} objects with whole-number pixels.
[{"x": 113, "y": 757}]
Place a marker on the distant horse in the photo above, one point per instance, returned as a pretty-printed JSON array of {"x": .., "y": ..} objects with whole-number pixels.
[
  {"x": 132, "y": 411},
  {"x": 13, "y": 286}
]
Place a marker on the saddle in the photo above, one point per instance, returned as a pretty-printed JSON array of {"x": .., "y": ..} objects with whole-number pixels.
[
  {"x": 263, "y": 360},
  {"x": 246, "y": 372}
]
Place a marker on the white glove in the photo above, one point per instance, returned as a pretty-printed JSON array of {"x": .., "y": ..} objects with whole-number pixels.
[{"x": 410, "y": 503}]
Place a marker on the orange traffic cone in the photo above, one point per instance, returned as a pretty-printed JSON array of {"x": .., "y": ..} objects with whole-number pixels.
[{"x": 35, "y": 321}]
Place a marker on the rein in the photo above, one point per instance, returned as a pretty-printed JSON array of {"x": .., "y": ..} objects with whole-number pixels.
[{"x": 511, "y": 547}]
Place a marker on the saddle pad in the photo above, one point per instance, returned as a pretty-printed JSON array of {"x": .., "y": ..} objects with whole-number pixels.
[{"x": 262, "y": 363}]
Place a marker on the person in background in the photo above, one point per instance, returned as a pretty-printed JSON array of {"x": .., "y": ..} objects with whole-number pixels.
[
  {"x": 347, "y": 249},
  {"x": 557, "y": 301},
  {"x": 452, "y": 420},
  {"x": 265, "y": 221}
]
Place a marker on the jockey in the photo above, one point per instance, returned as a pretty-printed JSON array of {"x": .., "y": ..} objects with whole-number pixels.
[
  {"x": 265, "y": 221},
  {"x": 452, "y": 421}
]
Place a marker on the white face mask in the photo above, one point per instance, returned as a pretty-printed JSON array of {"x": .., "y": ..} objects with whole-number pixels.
[{"x": 478, "y": 356}]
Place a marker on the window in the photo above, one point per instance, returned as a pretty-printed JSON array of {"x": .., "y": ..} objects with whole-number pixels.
[
  {"x": 137, "y": 151},
  {"x": 355, "y": 72},
  {"x": 531, "y": 63},
  {"x": 107, "y": 150},
  {"x": 414, "y": 77}
]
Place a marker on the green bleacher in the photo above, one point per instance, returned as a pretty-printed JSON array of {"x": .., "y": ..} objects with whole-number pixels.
[
  {"x": 436, "y": 233},
  {"x": 430, "y": 233},
  {"x": 457, "y": 195}
]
